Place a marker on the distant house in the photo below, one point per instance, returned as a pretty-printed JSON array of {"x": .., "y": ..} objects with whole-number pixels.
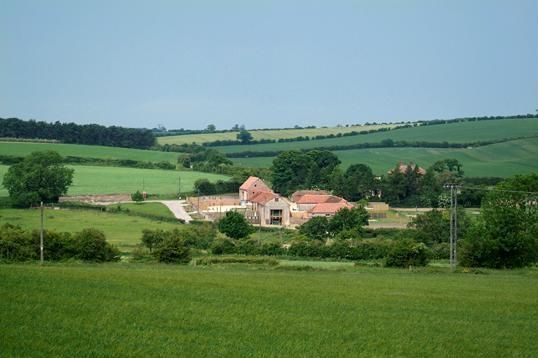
[
  {"x": 251, "y": 187},
  {"x": 404, "y": 168},
  {"x": 271, "y": 209},
  {"x": 264, "y": 206},
  {"x": 329, "y": 209},
  {"x": 309, "y": 201}
]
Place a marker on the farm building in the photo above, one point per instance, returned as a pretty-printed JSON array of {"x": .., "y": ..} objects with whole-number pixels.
[
  {"x": 251, "y": 187},
  {"x": 264, "y": 207},
  {"x": 405, "y": 168}
]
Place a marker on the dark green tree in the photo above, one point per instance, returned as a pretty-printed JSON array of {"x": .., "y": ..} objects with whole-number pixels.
[
  {"x": 290, "y": 171},
  {"x": 323, "y": 165},
  {"x": 348, "y": 219},
  {"x": 316, "y": 228},
  {"x": 358, "y": 182},
  {"x": 41, "y": 176},
  {"x": 506, "y": 234},
  {"x": 235, "y": 225},
  {"x": 244, "y": 136}
]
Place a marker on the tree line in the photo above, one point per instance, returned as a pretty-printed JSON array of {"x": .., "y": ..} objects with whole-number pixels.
[
  {"x": 404, "y": 185},
  {"x": 91, "y": 134}
]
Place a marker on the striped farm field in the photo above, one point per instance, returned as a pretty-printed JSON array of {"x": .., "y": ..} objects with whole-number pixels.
[
  {"x": 500, "y": 160},
  {"x": 461, "y": 132},
  {"x": 143, "y": 310},
  {"x": 267, "y": 134},
  {"x": 117, "y": 180},
  {"x": 21, "y": 149}
]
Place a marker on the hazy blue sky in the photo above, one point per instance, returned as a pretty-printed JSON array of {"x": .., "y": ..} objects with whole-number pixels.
[{"x": 266, "y": 63}]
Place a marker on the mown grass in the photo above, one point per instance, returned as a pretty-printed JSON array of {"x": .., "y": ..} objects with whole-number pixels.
[
  {"x": 266, "y": 134},
  {"x": 21, "y": 149},
  {"x": 501, "y": 159},
  {"x": 157, "y": 310},
  {"x": 116, "y": 180},
  {"x": 461, "y": 132},
  {"x": 155, "y": 209},
  {"x": 120, "y": 229}
]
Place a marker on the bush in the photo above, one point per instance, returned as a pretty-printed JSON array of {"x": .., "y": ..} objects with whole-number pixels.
[
  {"x": 235, "y": 225},
  {"x": 56, "y": 246},
  {"x": 407, "y": 253},
  {"x": 223, "y": 246},
  {"x": 137, "y": 196},
  {"x": 15, "y": 244},
  {"x": 152, "y": 238},
  {"x": 91, "y": 245},
  {"x": 173, "y": 250},
  {"x": 200, "y": 235}
]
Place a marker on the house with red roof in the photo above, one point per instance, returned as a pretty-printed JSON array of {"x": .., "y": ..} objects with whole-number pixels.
[
  {"x": 265, "y": 206},
  {"x": 252, "y": 186}
]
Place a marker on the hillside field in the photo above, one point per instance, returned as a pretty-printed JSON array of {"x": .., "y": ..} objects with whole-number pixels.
[
  {"x": 160, "y": 310},
  {"x": 501, "y": 159},
  {"x": 461, "y": 132},
  {"x": 266, "y": 134},
  {"x": 21, "y": 149},
  {"x": 120, "y": 229},
  {"x": 116, "y": 180}
]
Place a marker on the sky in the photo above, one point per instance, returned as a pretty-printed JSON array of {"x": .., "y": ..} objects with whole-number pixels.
[{"x": 187, "y": 64}]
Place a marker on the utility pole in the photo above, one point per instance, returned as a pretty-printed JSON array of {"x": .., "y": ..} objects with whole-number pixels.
[
  {"x": 179, "y": 186},
  {"x": 41, "y": 237},
  {"x": 453, "y": 225}
]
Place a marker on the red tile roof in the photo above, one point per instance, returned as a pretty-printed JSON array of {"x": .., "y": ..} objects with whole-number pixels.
[
  {"x": 329, "y": 208},
  {"x": 263, "y": 197},
  {"x": 317, "y": 199},
  {"x": 250, "y": 184}
]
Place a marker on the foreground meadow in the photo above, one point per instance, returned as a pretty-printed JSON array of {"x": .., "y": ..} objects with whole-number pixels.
[{"x": 158, "y": 310}]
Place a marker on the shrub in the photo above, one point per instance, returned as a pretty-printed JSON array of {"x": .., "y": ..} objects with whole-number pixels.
[
  {"x": 407, "y": 253},
  {"x": 137, "y": 196},
  {"x": 200, "y": 235},
  {"x": 173, "y": 250},
  {"x": 316, "y": 228},
  {"x": 15, "y": 244},
  {"x": 56, "y": 246},
  {"x": 223, "y": 246},
  {"x": 91, "y": 245},
  {"x": 152, "y": 238},
  {"x": 235, "y": 225}
]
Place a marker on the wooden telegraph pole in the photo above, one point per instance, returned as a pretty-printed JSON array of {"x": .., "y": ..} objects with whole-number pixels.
[{"x": 41, "y": 237}]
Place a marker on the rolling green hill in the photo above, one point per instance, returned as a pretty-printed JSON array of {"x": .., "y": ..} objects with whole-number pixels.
[
  {"x": 501, "y": 159},
  {"x": 265, "y": 134},
  {"x": 114, "y": 180},
  {"x": 21, "y": 149},
  {"x": 461, "y": 132}
]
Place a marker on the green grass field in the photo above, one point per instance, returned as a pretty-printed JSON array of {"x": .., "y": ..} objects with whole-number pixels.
[
  {"x": 463, "y": 132},
  {"x": 21, "y": 149},
  {"x": 156, "y": 209},
  {"x": 265, "y": 134},
  {"x": 158, "y": 310},
  {"x": 115, "y": 180},
  {"x": 121, "y": 230},
  {"x": 501, "y": 159}
]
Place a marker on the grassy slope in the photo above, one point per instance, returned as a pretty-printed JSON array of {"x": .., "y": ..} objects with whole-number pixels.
[
  {"x": 502, "y": 159},
  {"x": 453, "y": 133},
  {"x": 87, "y": 151},
  {"x": 264, "y": 134},
  {"x": 120, "y": 229},
  {"x": 113, "y": 180},
  {"x": 136, "y": 310},
  {"x": 157, "y": 209}
]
